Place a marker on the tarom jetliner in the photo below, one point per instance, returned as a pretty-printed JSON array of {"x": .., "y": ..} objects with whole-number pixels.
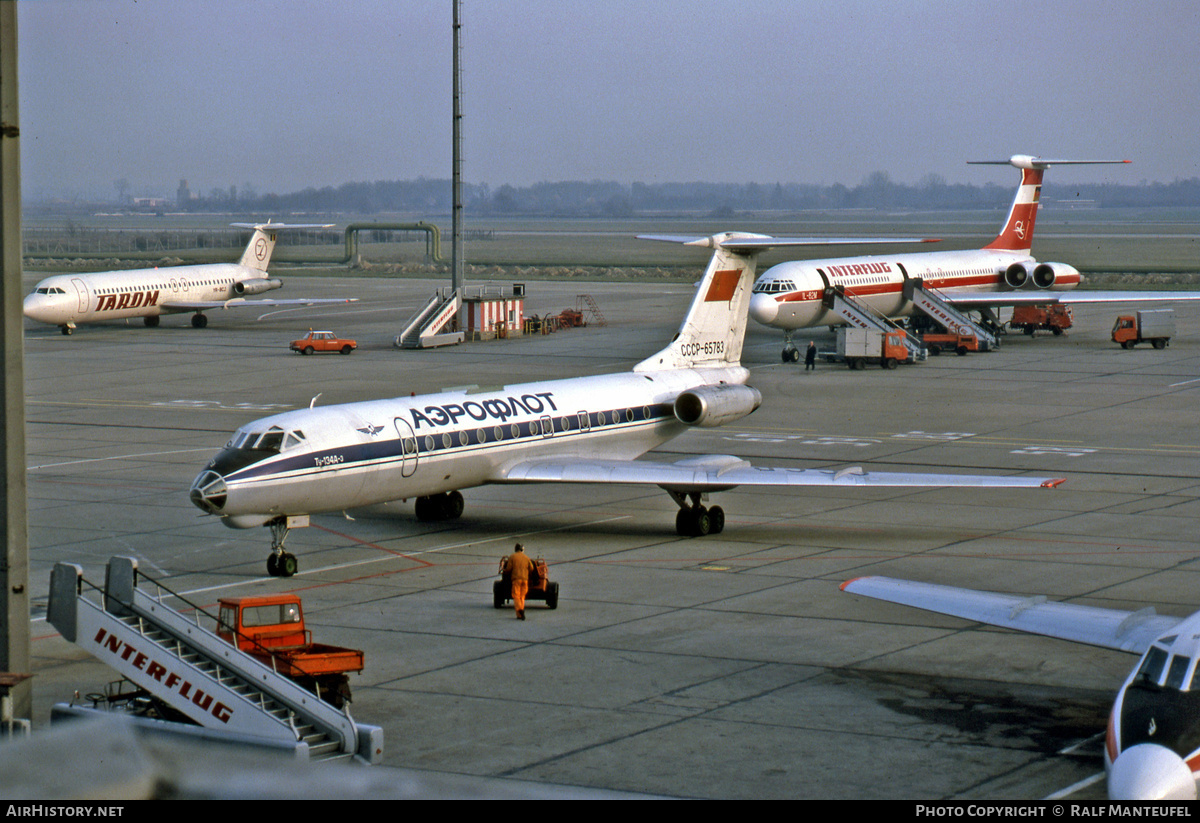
[
  {"x": 279, "y": 470},
  {"x": 789, "y": 296},
  {"x": 1152, "y": 750},
  {"x": 66, "y": 300}
]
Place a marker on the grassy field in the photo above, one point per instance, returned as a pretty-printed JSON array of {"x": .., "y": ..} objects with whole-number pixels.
[{"x": 1097, "y": 241}]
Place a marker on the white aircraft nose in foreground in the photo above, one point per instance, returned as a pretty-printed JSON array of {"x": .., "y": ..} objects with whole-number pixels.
[
  {"x": 65, "y": 300},
  {"x": 1152, "y": 749},
  {"x": 278, "y": 470}
]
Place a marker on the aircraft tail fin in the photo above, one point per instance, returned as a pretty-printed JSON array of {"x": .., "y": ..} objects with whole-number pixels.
[
  {"x": 1017, "y": 232},
  {"x": 712, "y": 330},
  {"x": 257, "y": 255},
  {"x": 715, "y": 326}
]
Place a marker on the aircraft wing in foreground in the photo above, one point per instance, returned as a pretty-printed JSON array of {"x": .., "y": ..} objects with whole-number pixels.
[{"x": 1152, "y": 749}]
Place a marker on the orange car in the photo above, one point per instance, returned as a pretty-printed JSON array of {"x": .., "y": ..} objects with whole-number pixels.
[{"x": 316, "y": 341}]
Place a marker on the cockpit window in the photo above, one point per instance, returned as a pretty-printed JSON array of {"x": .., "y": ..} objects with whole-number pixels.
[
  {"x": 49, "y": 290},
  {"x": 1177, "y": 672},
  {"x": 293, "y": 439},
  {"x": 272, "y": 440},
  {"x": 1152, "y": 665}
]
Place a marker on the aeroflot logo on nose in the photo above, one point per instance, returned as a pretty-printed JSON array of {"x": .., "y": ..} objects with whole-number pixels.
[{"x": 127, "y": 300}]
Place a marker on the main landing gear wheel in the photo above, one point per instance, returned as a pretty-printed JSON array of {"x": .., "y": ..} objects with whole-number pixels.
[
  {"x": 697, "y": 521},
  {"x": 199, "y": 321},
  {"x": 151, "y": 321},
  {"x": 448, "y": 506}
]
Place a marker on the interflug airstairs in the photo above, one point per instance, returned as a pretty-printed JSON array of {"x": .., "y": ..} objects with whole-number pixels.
[{"x": 187, "y": 667}]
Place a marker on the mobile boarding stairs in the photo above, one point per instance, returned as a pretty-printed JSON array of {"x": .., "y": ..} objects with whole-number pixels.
[
  {"x": 926, "y": 300},
  {"x": 187, "y": 667}
]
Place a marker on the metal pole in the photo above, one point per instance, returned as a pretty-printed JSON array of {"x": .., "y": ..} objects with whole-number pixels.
[
  {"x": 14, "y": 569},
  {"x": 456, "y": 238}
]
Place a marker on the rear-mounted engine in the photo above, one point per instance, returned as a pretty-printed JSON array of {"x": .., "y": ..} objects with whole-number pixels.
[
  {"x": 716, "y": 405},
  {"x": 1030, "y": 276},
  {"x": 256, "y": 286}
]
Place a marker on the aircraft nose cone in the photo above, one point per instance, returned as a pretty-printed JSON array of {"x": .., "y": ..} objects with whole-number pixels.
[
  {"x": 1148, "y": 771},
  {"x": 209, "y": 492},
  {"x": 763, "y": 308},
  {"x": 38, "y": 307}
]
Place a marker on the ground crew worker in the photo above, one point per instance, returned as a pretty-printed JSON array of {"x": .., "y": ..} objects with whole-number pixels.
[
  {"x": 519, "y": 567},
  {"x": 810, "y": 356}
]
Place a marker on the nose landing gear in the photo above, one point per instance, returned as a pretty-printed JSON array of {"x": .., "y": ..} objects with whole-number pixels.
[{"x": 279, "y": 562}]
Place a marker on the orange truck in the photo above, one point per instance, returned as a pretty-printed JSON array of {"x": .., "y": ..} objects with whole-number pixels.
[
  {"x": 861, "y": 346},
  {"x": 271, "y": 629},
  {"x": 1052, "y": 318},
  {"x": 960, "y": 344},
  {"x": 1154, "y": 326}
]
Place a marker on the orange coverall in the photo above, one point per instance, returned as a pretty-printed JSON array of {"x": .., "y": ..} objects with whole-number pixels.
[{"x": 519, "y": 567}]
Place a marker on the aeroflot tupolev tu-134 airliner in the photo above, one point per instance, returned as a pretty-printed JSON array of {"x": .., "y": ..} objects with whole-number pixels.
[{"x": 279, "y": 470}]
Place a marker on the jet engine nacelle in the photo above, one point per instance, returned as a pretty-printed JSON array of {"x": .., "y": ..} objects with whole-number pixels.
[
  {"x": 256, "y": 286},
  {"x": 716, "y": 405},
  {"x": 1033, "y": 275}
]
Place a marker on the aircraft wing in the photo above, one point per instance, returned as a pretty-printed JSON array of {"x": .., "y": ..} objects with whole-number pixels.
[
  {"x": 1108, "y": 628},
  {"x": 720, "y": 472},
  {"x": 241, "y": 302},
  {"x": 975, "y": 299}
]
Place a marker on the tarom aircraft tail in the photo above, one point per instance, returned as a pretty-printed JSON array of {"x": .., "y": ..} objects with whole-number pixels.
[
  {"x": 1017, "y": 233},
  {"x": 257, "y": 255}
]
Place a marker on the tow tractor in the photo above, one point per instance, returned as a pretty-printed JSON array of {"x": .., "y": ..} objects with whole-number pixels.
[
  {"x": 271, "y": 629},
  {"x": 540, "y": 587}
]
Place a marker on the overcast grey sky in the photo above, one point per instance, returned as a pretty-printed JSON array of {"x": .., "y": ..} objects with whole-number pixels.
[{"x": 286, "y": 94}]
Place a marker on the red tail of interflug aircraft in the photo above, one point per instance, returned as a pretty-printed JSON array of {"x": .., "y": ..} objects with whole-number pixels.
[{"x": 789, "y": 296}]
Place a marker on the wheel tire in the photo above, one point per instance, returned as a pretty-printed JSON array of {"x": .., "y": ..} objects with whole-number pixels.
[
  {"x": 66, "y": 329},
  {"x": 288, "y": 566},
  {"x": 307, "y": 350},
  {"x": 1029, "y": 330},
  {"x": 790, "y": 355},
  {"x": 1056, "y": 331},
  {"x": 151, "y": 321},
  {"x": 1128, "y": 344},
  {"x": 427, "y": 509},
  {"x": 199, "y": 321},
  {"x": 702, "y": 523},
  {"x": 683, "y": 526},
  {"x": 454, "y": 505},
  {"x": 552, "y": 596},
  {"x": 935, "y": 350},
  {"x": 1159, "y": 343},
  {"x": 347, "y": 349},
  {"x": 273, "y": 564},
  {"x": 961, "y": 351},
  {"x": 716, "y": 520},
  {"x": 498, "y": 597},
  {"x": 888, "y": 363}
]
